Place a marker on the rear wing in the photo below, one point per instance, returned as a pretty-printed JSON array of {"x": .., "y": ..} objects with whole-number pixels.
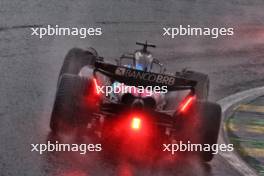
[{"x": 133, "y": 77}]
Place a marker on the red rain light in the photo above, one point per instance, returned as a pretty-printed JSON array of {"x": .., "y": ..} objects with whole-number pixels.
[
  {"x": 96, "y": 85},
  {"x": 136, "y": 123},
  {"x": 186, "y": 103}
]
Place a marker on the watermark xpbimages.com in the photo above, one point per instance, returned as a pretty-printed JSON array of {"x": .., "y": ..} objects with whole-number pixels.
[
  {"x": 180, "y": 146},
  {"x": 60, "y": 147}
]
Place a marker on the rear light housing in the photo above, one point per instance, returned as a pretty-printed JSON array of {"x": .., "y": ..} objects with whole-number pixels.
[
  {"x": 186, "y": 103},
  {"x": 95, "y": 83},
  {"x": 93, "y": 95}
]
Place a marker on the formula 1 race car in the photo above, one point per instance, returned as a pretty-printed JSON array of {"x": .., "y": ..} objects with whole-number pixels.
[{"x": 134, "y": 103}]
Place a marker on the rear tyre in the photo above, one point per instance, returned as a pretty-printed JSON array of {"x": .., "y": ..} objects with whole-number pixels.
[
  {"x": 65, "y": 114},
  {"x": 75, "y": 60},
  {"x": 210, "y": 120}
]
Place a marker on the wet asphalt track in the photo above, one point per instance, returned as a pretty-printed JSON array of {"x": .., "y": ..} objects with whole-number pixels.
[{"x": 29, "y": 68}]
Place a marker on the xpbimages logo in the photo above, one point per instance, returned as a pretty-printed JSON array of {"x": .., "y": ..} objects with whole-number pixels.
[
  {"x": 180, "y": 146},
  {"x": 81, "y": 32},
  {"x": 181, "y": 30},
  {"x": 59, "y": 147},
  {"x": 120, "y": 88}
]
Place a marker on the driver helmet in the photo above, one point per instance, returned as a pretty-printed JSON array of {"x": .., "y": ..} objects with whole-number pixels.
[{"x": 143, "y": 60}]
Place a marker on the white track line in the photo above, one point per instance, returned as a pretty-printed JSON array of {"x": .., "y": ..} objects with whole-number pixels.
[{"x": 227, "y": 104}]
